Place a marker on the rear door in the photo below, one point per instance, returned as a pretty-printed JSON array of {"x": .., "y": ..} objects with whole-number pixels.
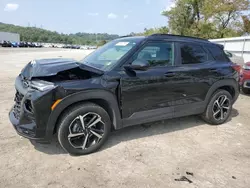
[{"x": 197, "y": 72}]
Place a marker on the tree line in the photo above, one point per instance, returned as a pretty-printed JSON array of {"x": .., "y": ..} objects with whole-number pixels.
[
  {"x": 199, "y": 18},
  {"x": 33, "y": 34},
  {"x": 206, "y": 19}
]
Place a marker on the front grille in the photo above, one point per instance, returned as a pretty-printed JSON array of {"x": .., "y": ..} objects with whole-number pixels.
[{"x": 17, "y": 106}]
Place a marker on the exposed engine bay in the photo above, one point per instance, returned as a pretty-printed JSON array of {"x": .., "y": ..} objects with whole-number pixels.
[
  {"x": 72, "y": 74},
  {"x": 55, "y": 70}
]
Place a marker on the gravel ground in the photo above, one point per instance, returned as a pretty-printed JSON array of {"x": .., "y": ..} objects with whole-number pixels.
[{"x": 152, "y": 156}]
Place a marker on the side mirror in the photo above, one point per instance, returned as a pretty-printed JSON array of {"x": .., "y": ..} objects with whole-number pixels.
[{"x": 137, "y": 65}]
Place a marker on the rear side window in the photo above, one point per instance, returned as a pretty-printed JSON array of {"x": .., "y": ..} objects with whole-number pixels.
[
  {"x": 217, "y": 53},
  {"x": 193, "y": 54}
]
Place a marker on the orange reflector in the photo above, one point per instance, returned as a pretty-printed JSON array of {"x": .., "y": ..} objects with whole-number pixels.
[{"x": 55, "y": 104}]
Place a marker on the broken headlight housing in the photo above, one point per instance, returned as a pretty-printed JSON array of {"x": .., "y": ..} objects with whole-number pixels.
[{"x": 42, "y": 85}]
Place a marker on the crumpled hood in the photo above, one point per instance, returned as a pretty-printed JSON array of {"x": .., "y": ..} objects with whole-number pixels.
[{"x": 50, "y": 67}]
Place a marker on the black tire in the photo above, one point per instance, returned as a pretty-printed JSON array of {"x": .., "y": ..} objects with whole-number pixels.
[
  {"x": 245, "y": 90},
  {"x": 70, "y": 118},
  {"x": 208, "y": 115}
]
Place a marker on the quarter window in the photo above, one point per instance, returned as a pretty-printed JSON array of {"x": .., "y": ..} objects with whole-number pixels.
[
  {"x": 156, "y": 54},
  {"x": 193, "y": 54},
  {"x": 218, "y": 53}
]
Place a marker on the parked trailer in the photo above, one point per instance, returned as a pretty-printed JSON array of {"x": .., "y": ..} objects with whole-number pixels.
[{"x": 12, "y": 37}]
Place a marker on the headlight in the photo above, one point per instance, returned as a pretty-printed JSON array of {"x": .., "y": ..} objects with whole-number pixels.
[
  {"x": 246, "y": 67},
  {"x": 42, "y": 85}
]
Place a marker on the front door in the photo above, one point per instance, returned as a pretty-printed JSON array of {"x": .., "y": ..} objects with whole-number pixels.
[{"x": 147, "y": 92}]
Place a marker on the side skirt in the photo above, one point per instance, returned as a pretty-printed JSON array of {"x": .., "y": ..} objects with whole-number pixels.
[{"x": 164, "y": 113}]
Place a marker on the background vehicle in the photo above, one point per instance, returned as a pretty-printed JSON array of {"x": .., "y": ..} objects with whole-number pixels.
[
  {"x": 84, "y": 47},
  {"x": 14, "y": 44},
  {"x": 128, "y": 81},
  {"x": 67, "y": 46},
  {"x": 23, "y": 44},
  {"x": 6, "y": 44},
  {"x": 39, "y": 45},
  {"x": 75, "y": 47},
  {"x": 31, "y": 45},
  {"x": 245, "y": 78}
]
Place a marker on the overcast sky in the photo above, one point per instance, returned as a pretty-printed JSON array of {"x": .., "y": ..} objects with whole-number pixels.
[{"x": 70, "y": 16}]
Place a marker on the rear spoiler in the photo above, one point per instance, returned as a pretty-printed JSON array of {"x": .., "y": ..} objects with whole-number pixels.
[{"x": 220, "y": 46}]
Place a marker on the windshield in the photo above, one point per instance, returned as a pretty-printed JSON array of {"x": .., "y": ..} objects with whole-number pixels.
[{"x": 107, "y": 56}]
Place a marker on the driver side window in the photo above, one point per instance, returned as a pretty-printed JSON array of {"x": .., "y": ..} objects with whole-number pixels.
[{"x": 156, "y": 54}]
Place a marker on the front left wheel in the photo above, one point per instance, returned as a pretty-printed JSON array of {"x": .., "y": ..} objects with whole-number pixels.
[{"x": 84, "y": 128}]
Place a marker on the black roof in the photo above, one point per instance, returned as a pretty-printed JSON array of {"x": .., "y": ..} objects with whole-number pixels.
[
  {"x": 130, "y": 37},
  {"x": 178, "y": 37},
  {"x": 170, "y": 36}
]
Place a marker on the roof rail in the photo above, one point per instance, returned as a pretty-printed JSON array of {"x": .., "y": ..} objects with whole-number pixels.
[
  {"x": 126, "y": 36},
  {"x": 171, "y": 35}
]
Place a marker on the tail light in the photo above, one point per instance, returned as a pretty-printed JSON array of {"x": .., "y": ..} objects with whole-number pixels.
[{"x": 236, "y": 67}]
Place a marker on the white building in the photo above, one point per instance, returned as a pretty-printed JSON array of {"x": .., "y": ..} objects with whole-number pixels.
[
  {"x": 240, "y": 46},
  {"x": 12, "y": 37}
]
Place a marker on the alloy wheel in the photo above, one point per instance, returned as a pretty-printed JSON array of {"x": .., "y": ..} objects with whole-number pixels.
[
  {"x": 86, "y": 130},
  {"x": 221, "y": 107}
]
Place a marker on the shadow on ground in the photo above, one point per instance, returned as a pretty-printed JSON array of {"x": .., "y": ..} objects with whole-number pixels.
[
  {"x": 241, "y": 92},
  {"x": 53, "y": 148},
  {"x": 157, "y": 128},
  {"x": 135, "y": 132}
]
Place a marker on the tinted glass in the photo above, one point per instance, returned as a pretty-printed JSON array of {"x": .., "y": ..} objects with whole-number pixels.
[
  {"x": 218, "y": 53},
  {"x": 156, "y": 54},
  {"x": 192, "y": 54}
]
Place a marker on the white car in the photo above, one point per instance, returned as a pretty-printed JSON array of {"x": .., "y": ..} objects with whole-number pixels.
[{"x": 84, "y": 47}]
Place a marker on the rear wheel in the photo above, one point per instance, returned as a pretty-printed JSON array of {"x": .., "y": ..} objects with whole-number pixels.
[
  {"x": 245, "y": 90},
  {"x": 219, "y": 108},
  {"x": 84, "y": 129}
]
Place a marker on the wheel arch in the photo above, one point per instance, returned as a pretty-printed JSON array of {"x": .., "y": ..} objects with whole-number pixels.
[
  {"x": 103, "y": 98},
  {"x": 229, "y": 85}
]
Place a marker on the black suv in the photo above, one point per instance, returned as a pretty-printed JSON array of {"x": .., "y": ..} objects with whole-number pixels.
[{"x": 128, "y": 81}]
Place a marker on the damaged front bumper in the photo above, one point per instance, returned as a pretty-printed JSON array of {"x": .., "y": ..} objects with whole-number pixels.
[
  {"x": 26, "y": 130},
  {"x": 31, "y": 111}
]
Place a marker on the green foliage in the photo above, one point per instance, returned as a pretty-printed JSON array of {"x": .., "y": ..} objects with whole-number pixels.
[
  {"x": 102, "y": 42},
  {"x": 147, "y": 32},
  {"x": 207, "y": 18},
  {"x": 182, "y": 16},
  {"x": 32, "y": 34},
  {"x": 162, "y": 30},
  {"x": 246, "y": 24}
]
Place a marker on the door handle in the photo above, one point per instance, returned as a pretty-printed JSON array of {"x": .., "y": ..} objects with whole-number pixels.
[{"x": 169, "y": 74}]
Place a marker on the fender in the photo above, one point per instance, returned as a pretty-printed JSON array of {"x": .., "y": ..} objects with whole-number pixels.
[
  {"x": 84, "y": 96},
  {"x": 226, "y": 82}
]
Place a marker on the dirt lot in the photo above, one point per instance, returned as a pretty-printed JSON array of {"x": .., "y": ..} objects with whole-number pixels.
[{"x": 218, "y": 156}]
